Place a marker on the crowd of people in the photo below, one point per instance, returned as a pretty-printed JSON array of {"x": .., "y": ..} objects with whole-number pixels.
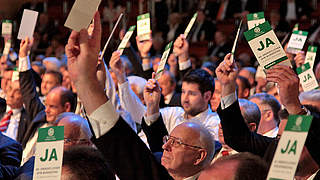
[{"x": 205, "y": 118}]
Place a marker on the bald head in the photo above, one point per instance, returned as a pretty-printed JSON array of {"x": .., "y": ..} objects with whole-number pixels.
[
  {"x": 197, "y": 134},
  {"x": 192, "y": 154},
  {"x": 59, "y": 100},
  {"x": 76, "y": 128}
]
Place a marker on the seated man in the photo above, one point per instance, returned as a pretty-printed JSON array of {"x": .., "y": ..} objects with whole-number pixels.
[
  {"x": 76, "y": 132},
  {"x": 251, "y": 115},
  {"x": 269, "y": 108}
]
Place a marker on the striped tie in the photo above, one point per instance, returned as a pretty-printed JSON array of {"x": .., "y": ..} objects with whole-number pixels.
[{"x": 5, "y": 121}]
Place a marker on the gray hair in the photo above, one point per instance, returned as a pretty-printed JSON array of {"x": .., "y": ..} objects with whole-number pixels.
[
  {"x": 313, "y": 95},
  {"x": 271, "y": 101},
  {"x": 250, "y": 111}
]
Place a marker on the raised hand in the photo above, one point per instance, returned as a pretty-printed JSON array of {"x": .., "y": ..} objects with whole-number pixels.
[
  {"x": 144, "y": 46},
  {"x": 25, "y": 47},
  {"x": 82, "y": 52},
  {"x": 117, "y": 67},
  {"x": 181, "y": 48},
  {"x": 288, "y": 84},
  {"x": 299, "y": 59},
  {"x": 227, "y": 73},
  {"x": 152, "y": 95}
]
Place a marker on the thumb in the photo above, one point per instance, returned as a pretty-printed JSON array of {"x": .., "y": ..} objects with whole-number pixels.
[{"x": 83, "y": 40}]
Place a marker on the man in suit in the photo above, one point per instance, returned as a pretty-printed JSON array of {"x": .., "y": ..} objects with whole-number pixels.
[
  {"x": 220, "y": 49},
  {"x": 168, "y": 84},
  {"x": 58, "y": 99},
  {"x": 238, "y": 136},
  {"x": 10, "y": 157},
  {"x": 18, "y": 119}
]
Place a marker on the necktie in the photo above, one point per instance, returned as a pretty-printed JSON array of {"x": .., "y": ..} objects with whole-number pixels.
[
  {"x": 225, "y": 153},
  {"x": 5, "y": 121}
]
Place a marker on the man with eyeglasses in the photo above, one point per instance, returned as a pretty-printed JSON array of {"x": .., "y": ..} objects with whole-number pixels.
[
  {"x": 269, "y": 108},
  {"x": 187, "y": 151}
]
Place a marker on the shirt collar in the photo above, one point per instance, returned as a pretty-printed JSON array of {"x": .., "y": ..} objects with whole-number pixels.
[{"x": 194, "y": 177}]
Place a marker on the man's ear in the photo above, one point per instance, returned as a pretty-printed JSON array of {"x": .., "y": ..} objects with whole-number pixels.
[
  {"x": 246, "y": 92},
  {"x": 252, "y": 127},
  {"x": 201, "y": 157},
  {"x": 207, "y": 95},
  {"x": 67, "y": 107}
]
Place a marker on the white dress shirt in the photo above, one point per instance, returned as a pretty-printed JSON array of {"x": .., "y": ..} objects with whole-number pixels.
[
  {"x": 272, "y": 133},
  {"x": 12, "y": 130}
]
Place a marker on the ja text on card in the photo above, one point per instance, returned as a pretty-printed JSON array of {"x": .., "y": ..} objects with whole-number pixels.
[{"x": 266, "y": 46}]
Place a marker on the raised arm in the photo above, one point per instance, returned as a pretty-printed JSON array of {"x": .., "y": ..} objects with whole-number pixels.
[
  {"x": 235, "y": 131},
  {"x": 181, "y": 50},
  {"x": 144, "y": 49},
  {"x": 31, "y": 100},
  {"x": 128, "y": 99}
]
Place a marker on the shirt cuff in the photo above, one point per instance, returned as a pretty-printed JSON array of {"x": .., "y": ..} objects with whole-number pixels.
[
  {"x": 146, "y": 67},
  {"x": 24, "y": 64},
  {"x": 152, "y": 118},
  {"x": 123, "y": 85},
  {"x": 184, "y": 65},
  {"x": 228, "y": 100},
  {"x": 103, "y": 119}
]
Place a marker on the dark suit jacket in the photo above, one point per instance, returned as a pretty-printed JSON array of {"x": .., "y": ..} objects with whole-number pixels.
[
  {"x": 10, "y": 157},
  {"x": 23, "y": 126},
  {"x": 128, "y": 155},
  {"x": 175, "y": 100},
  {"x": 238, "y": 136},
  {"x": 33, "y": 105},
  {"x": 25, "y": 172}
]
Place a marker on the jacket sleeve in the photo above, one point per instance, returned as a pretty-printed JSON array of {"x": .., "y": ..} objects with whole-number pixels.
[
  {"x": 33, "y": 104},
  {"x": 10, "y": 157},
  {"x": 128, "y": 155},
  {"x": 237, "y": 134},
  {"x": 155, "y": 133}
]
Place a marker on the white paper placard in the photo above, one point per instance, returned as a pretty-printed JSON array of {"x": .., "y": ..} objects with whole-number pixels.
[
  {"x": 28, "y": 24},
  {"x": 296, "y": 42},
  {"x": 193, "y": 19},
  {"x": 163, "y": 60},
  {"x": 255, "y": 19},
  {"x": 143, "y": 27},
  {"x": 286, "y": 158},
  {"x": 49, "y": 153},
  {"x": 266, "y": 46},
  {"x": 311, "y": 55},
  {"x": 126, "y": 39},
  {"x": 6, "y": 28},
  {"x": 307, "y": 78},
  {"x": 81, "y": 14}
]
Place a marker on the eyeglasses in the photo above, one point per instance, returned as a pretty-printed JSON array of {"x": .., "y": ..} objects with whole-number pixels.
[
  {"x": 177, "y": 141},
  {"x": 77, "y": 141}
]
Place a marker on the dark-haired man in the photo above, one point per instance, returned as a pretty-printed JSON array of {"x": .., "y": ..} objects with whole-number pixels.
[{"x": 197, "y": 89}]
